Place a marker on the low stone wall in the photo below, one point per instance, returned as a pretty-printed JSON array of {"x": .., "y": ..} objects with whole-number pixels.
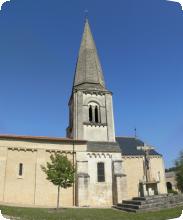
[{"x": 172, "y": 198}]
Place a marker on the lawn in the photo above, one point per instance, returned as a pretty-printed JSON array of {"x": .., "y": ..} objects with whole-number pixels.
[{"x": 87, "y": 214}]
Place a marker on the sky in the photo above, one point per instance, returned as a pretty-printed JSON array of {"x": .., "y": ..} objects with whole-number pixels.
[{"x": 140, "y": 44}]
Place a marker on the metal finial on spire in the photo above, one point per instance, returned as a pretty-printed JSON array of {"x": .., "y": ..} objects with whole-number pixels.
[{"x": 86, "y": 14}]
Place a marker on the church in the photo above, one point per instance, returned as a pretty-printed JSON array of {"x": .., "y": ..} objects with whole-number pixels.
[{"x": 109, "y": 169}]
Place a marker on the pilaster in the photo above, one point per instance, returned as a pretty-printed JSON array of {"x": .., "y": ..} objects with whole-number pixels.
[
  {"x": 82, "y": 184},
  {"x": 3, "y": 159},
  {"x": 39, "y": 176},
  {"x": 110, "y": 118},
  {"x": 120, "y": 182}
]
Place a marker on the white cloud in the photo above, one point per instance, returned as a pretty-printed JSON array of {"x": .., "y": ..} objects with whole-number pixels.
[
  {"x": 180, "y": 218},
  {"x": 2, "y": 2},
  {"x": 178, "y": 1}
]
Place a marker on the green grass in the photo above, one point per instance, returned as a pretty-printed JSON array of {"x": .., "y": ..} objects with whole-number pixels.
[{"x": 87, "y": 214}]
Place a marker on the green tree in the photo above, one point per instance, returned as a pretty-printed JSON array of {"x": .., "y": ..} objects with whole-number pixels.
[
  {"x": 60, "y": 172},
  {"x": 179, "y": 171}
]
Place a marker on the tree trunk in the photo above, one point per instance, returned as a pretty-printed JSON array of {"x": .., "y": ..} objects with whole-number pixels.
[{"x": 58, "y": 197}]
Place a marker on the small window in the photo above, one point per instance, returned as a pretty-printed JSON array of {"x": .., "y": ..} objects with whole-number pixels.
[
  {"x": 20, "y": 172},
  {"x": 90, "y": 113},
  {"x": 101, "y": 172}
]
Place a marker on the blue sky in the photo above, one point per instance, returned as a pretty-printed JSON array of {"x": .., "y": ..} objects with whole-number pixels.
[{"x": 140, "y": 44}]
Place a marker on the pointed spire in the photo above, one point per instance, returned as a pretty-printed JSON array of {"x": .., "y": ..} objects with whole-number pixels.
[{"x": 88, "y": 73}]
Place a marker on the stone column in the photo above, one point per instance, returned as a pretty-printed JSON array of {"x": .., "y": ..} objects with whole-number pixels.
[
  {"x": 93, "y": 113},
  {"x": 99, "y": 114},
  {"x": 82, "y": 184},
  {"x": 120, "y": 182}
]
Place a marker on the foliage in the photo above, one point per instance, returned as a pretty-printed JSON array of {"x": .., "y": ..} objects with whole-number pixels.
[
  {"x": 88, "y": 213},
  {"x": 60, "y": 172},
  {"x": 172, "y": 191},
  {"x": 170, "y": 169},
  {"x": 179, "y": 171}
]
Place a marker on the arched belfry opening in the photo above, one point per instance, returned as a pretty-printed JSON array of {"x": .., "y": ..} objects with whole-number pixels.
[
  {"x": 90, "y": 114},
  {"x": 94, "y": 112}
]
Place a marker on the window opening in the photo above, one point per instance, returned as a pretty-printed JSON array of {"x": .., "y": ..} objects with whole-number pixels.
[
  {"x": 101, "y": 172},
  {"x": 90, "y": 114},
  {"x": 20, "y": 172},
  {"x": 96, "y": 114}
]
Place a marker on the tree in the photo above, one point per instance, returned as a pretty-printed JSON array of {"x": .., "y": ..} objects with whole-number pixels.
[
  {"x": 60, "y": 172},
  {"x": 170, "y": 169},
  {"x": 179, "y": 171}
]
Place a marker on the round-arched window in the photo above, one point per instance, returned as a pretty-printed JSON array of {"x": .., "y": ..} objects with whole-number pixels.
[{"x": 94, "y": 112}]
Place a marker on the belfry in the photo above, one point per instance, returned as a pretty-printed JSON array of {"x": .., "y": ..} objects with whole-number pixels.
[{"x": 91, "y": 108}]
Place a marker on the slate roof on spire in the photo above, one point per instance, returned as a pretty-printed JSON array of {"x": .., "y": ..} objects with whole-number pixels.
[{"x": 88, "y": 73}]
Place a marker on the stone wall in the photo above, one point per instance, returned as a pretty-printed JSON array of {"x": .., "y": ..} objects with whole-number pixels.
[
  {"x": 32, "y": 188},
  {"x": 135, "y": 173},
  {"x": 122, "y": 175},
  {"x": 171, "y": 178},
  {"x": 90, "y": 191}
]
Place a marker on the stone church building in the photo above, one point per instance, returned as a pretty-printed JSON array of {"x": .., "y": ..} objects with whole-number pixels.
[{"x": 109, "y": 169}]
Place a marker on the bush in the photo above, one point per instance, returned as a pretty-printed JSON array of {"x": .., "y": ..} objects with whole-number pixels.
[{"x": 172, "y": 191}]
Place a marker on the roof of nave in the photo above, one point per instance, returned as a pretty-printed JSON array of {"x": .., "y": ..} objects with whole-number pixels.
[
  {"x": 126, "y": 145},
  {"x": 40, "y": 138},
  {"x": 129, "y": 146},
  {"x": 101, "y": 146}
]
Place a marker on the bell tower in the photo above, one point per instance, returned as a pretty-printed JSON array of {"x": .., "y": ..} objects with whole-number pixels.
[{"x": 90, "y": 106}]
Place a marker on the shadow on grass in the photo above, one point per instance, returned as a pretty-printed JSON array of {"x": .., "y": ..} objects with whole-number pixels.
[{"x": 55, "y": 210}]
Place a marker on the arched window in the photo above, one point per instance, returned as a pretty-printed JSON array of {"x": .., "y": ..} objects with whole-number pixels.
[
  {"x": 90, "y": 114},
  {"x": 96, "y": 114},
  {"x": 101, "y": 172},
  {"x": 20, "y": 171}
]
